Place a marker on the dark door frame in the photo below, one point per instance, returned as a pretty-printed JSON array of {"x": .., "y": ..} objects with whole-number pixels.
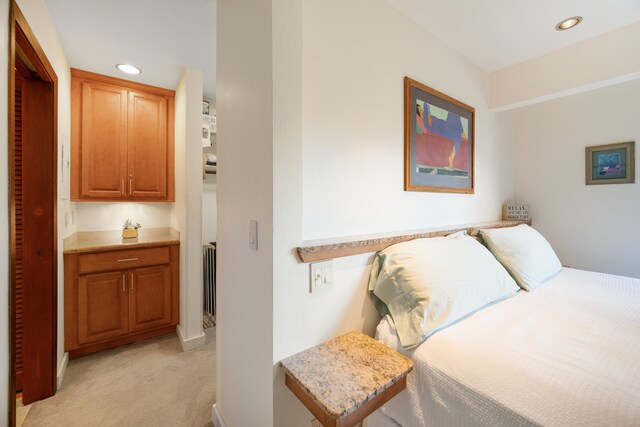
[{"x": 20, "y": 34}]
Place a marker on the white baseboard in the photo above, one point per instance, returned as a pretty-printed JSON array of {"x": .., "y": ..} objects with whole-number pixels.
[
  {"x": 62, "y": 368},
  {"x": 216, "y": 418},
  {"x": 191, "y": 343}
]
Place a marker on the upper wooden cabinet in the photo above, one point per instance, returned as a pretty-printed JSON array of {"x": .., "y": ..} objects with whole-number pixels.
[{"x": 122, "y": 140}]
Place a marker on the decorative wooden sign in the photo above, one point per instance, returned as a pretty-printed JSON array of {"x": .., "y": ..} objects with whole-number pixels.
[{"x": 515, "y": 211}]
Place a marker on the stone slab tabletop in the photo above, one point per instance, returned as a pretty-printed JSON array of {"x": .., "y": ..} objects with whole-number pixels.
[
  {"x": 107, "y": 240},
  {"x": 342, "y": 374}
]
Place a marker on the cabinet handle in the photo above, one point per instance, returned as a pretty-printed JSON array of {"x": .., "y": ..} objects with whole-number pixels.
[
  {"x": 123, "y": 284},
  {"x": 133, "y": 283},
  {"x": 122, "y": 187},
  {"x": 130, "y": 184},
  {"x": 127, "y": 259}
]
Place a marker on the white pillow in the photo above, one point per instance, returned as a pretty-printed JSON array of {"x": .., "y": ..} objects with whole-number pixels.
[
  {"x": 427, "y": 284},
  {"x": 525, "y": 253}
]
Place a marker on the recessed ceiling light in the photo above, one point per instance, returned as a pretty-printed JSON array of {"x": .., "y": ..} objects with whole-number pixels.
[
  {"x": 129, "y": 69},
  {"x": 568, "y": 23}
]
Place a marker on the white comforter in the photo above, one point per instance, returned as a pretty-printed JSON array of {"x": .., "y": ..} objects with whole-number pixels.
[{"x": 567, "y": 354}]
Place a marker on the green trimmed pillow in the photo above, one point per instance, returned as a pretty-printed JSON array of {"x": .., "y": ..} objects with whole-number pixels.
[{"x": 427, "y": 284}]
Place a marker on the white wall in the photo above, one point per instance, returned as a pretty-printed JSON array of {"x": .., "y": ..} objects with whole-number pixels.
[
  {"x": 595, "y": 227},
  {"x": 36, "y": 14},
  {"x": 353, "y": 123},
  {"x": 603, "y": 60},
  {"x": 98, "y": 216},
  {"x": 244, "y": 382},
  {"x": 351, "y": 97},
  {"x": 186, "y": 212},
  {"x": 289, "y": 292},
  {"x": 4, "y": 221}
]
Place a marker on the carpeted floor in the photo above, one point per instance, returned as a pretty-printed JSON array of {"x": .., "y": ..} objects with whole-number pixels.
[{"x": 152, "y": 383}]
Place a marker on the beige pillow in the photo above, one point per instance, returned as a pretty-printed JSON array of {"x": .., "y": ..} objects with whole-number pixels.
[{"x": 524, "y": 252}]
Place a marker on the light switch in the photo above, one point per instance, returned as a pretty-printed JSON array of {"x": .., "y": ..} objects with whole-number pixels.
[
  {"x": 321, "y": 276},
  {"x": 253, "y": 234}
]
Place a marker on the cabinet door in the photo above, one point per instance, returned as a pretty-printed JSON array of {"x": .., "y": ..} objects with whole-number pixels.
[
  {"x": 149, "y": 298},
  {"x": 104, "y": 141},
  {"x": 148, "y": 146},
  {"x": 102, "y": 306}
]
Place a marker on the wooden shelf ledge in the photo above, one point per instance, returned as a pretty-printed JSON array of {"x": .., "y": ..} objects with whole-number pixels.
[{"x": 342, "y": 247}]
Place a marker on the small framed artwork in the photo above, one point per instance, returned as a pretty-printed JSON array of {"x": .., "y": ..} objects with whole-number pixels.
[
  {"x": 438, "y": 141},
  {"x": 205, "y": 107},
  {"x": 610, "y": 164}
]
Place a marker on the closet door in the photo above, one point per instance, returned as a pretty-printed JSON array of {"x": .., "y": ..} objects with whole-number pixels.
[
  {"x": 104, "y": 140},
  {"x": 39, "y": 290},
  {"x": 148, "y": 146}
]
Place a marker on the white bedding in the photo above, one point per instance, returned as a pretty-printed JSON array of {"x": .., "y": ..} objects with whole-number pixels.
[{"x": 567, "y": 354}]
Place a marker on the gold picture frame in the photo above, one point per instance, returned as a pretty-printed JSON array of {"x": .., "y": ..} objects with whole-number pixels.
[
  {"x": 610, "y": 164},
  {"x": 439, "y": 141}
]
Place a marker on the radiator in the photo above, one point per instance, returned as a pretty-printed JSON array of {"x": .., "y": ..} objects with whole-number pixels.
[{"x": 209, "y": 279}]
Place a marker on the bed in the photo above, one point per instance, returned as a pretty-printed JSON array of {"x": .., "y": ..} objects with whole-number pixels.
[{"x": 565, "y": 353}]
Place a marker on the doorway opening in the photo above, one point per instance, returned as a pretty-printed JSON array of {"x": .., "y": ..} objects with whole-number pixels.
[
  {"x": 33, "y": 290},
  {"x": 209, "y": 209}
]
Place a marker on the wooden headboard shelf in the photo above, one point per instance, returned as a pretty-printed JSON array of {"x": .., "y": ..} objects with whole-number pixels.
[{"x": 337, "y": 248}]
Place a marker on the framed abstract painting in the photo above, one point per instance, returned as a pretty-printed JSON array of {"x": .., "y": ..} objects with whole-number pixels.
[
  {"x": 610, "y": 164},
  {"x": 438, "y": 141}
]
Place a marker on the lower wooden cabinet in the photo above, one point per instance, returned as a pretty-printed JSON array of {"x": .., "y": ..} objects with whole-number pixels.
[
  {"x": 149, "y": 298},
  {"x": 119, "y": 296},
  {"x": 102, "y": 307}
]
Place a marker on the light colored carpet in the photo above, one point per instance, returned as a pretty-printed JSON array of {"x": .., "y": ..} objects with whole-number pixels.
[
  {"x": 21, "y": 412},
  {"x": 152, "y": 383}
]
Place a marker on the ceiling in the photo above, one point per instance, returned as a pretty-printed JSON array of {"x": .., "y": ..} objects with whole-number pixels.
[
  {"x": 161, "y": 37},
  {"x": 495, "y": 34}
]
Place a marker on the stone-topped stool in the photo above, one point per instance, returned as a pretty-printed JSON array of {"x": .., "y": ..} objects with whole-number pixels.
[{"x": 345, "y": 379}]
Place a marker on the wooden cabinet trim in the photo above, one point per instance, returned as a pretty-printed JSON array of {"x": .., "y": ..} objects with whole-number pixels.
[
  {"x": 82, "y": 74},
  {"x": 123, "y": 259},
  {"x": 70, "y": 301}
]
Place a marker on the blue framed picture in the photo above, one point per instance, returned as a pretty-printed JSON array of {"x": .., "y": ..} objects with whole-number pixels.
[{"x": 610, "y": 164}]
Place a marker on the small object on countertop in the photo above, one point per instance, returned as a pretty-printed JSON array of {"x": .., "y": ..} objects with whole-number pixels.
[
  {"x": 129, "y": 229},
  {"x": 345, "y": 379},
  {"x": 130, "y": 233}
]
